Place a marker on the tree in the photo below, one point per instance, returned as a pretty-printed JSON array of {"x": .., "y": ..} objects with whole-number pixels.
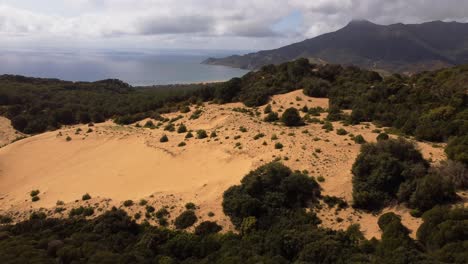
[
  {"x": 185, "y": 219},
  {"x": 457, "y": 149},
  {"x": 381, "y": 168},
  {"x": 291, "y": 117}
]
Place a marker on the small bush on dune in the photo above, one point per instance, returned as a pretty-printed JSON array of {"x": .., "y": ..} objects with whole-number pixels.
[
  {"x": 86, "y": 197},
  {"x": 190, "y": 206},
  {"x": 164, "y": 139},
  {"x": 185, "y": 220},
  {"x": 382, "y": 136},
  {"x": 359, "y": 139},
  {"x": 189, "y": 135},
  {"x": 182, "y": 144},
  {"x": 34, "y": 193},
  {"x": 207, "y": 228},
  {"x": 278, "y": 145},
  {"x": 35, "y": 198},
  {"x": 201, "y": 134},
  {"x": 271, "y": 117},
  {"x": 128, "y": 203},
  {"x": 341, "y": 132},
  {"x": 292, "y": 118},
  {"x": 181, "y": 129}
]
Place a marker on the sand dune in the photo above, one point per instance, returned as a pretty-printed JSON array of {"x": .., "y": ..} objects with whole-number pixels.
[{"x": 114, "y": 163}]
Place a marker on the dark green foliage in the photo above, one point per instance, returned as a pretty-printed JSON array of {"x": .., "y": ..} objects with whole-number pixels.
[
  {"x": 382, "y": 136},
  {"x": 85, "y": 197},
  {"x": 282, "y": 232},
  {"x": 185, "y": 219},
  {"x": 82, "y": 211},
  {"x": 267, "y": 109},
  {"x": 291, "y": 117},
  {"x": 443, "y": 233},
  {"x": 430, "y": 191},
  {"x": 128, "y": 203},
  {"x": 35, "y": 198},
  {"x": 164, "y": 139},
  {"x": 4, "y": 219},
  {"x": 201, "y": 134},
  {"x": 189, "y": 135},
  {"x": 267, "y": 191},
  {"x": 207, "y": 228},
  {"x": 328, "y": 126},
  {"x": 331, "y": 201},
  {"x": 34, "y": 193},
  {"x": 161, "y": 213},
  {"x": 457, "y": 149},
  {"x": 359, "y": 139},
  {"x": 271, "y": 117},
  {"x": 278, "y": 145},
  {"x": 190, "y": 206},
  {"x": 341, "y": 132},
  {"x": 381, "y": 168},
  {"x": 182, "y": 144},
  {"x": 316, "y": 87}
]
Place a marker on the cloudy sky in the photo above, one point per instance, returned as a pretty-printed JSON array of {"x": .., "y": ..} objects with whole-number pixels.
[{"x": 200, "y": 24}]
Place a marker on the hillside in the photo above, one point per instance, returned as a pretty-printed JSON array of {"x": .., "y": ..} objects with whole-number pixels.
[
  {"x": 303, "y": 163},
  {"x": 394, "y": 48}
]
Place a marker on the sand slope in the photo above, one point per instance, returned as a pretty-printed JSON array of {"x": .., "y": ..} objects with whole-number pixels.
[{"x": 114, "y": 163}]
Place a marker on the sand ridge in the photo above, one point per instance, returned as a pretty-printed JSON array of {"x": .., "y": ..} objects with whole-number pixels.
[{"x": 115, "y": 163}]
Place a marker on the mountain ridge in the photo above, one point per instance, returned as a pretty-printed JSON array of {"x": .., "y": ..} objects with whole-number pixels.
[{"x": 401, "y": 48}]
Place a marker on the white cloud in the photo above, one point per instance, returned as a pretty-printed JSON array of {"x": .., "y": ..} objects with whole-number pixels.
[{"x": 218, "y": 23}]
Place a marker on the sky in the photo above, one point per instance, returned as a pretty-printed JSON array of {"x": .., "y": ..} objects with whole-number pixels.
[{"x": 200, "y": 24}]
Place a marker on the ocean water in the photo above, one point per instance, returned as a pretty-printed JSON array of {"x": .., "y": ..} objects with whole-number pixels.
[{"x": 138, "y": 68}]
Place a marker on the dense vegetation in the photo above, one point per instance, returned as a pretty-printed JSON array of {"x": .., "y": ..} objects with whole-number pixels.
[
  {"x": 269, "y": 210},
  {"x": 392, "y": 170}
]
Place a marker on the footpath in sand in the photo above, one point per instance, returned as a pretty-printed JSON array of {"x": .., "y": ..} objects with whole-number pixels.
[{"x": 116, "y": 163}]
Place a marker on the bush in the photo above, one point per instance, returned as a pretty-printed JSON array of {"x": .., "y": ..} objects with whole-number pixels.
[
  {"x": 341, "y": 132},
  {"x": 35, "y": 198},
  {"x": 292, "y": 118},
  {"x": 259, "y": 136},
  {"x": 430, "y": 191},
  {"x": 359, "y": 139},
  {"x": 150, "y": 209},
  {"x": 128, "y": 203},
  {"x": 207, "y": 228},
  {"x": 190, "y": 206},
  {"x": 381, "y": 168},
  {"x": 267, "y": 109},
  {"x": 213, "y": 134},
  {"x": 164, "y": 139},
  {"x": 34, "y": 193},
  {"x": 278, "y": 145},
  {"x": 86, "y": 197},
  {"x": 457, "y": 149},
  {"x": 189, "y": 135},
  {"x": 68, "y": 138},
  {"x": 142, "y": 202},
  {"x": 182, "y": 144},
  {"x": 328, "y": 126},
  {"x": 161, "y": 213},
  {"x": 201, "y": 134},
  {"x": 271, "y": 117},
  {"x": 382, "y": 136},
  {"x": 266, "y": 189},
  {"x": 182, "y": 129},
  {"x": 185, "y": 220}
]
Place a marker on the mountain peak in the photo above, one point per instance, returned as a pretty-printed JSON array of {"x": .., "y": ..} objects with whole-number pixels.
[{"x": 361, "y": 22}]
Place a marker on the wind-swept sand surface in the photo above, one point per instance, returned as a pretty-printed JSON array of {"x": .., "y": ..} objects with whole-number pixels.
[
  {"x": 7, "y": 133},
  {"x": 116, "y": 163}
]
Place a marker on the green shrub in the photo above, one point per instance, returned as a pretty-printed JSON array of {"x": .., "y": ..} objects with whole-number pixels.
[
  {"x": 5, "y": 219},
  {"x": 190, "y": 206},
  {"x": 267, "y": 109},
  {"x": 341, "y": 132},
  {"x": 68, "y": 138},
  {"x": 271, "y": 117},
  {"x": 328, "y": 126},
  {"x": 182, "y": 129},
  {"x": 278, "y": 145},
  {"x": 189, "y": 135},
  {"x": 292, "y": 118},
  {"x": 85, "y": 197},
  {"x": 128, "y": 203},
  {"x": 34, "y": 193},
  {"x": 142, "y": 202},
  {"x": 150, "y": 209},
  {"x": 35, "y": 198},
  {"x": 320, "y": 179},
  {"x": 385, "y": 169},
  {"x": 457, "y": 149},
  {"x": 213, "y": 134},
  {"x": 242, "y": 129},
  {"x": 149, "y": 124},
  {"x": 201, "y": 134},
  {"x": 382, "y": 136},
  {"x": 207, "y": 228},
  {"x": 270, "y": 186},
  {"x": 161, "y": 213},
  {"x": 164, "y": 139},
  {"x": 259, "y": 136},
  {"x": 182, "y": 144},
  {"x": 185, "y": 220},
  {"x": 359, "y": 139}
]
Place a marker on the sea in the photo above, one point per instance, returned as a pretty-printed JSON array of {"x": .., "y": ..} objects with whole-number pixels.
[{"x": 136, "y": 67}]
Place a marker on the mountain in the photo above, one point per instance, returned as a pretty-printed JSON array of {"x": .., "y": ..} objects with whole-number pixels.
[{"x": 403, "y": 48}]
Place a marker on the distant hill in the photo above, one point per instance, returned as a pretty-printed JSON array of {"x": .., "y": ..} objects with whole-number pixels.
[{"x": 395, "y": 48}]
